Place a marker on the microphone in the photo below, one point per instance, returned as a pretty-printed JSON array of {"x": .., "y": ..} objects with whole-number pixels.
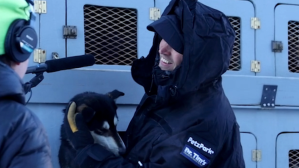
[{"x": 63, "y": 64}]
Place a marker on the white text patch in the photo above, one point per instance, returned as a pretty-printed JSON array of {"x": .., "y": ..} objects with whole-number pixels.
[{"x": 194, "y": 156}]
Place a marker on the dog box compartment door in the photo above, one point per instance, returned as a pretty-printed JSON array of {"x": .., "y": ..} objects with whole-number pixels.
[
  {"x": 243, "y": 50},
  {"x": 248, "y": 142},
  {"x": 114, "y": 31},
  {"x": 287, "y": 150},
  {"x": 287, "y": 32}
]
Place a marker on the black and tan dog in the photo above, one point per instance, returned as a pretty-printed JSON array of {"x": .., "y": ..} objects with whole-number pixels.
[{"x": 99, "y": 111}]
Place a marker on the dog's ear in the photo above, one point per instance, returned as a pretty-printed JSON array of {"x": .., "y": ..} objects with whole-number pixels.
[
  {"x": 87, "y": 113},
  {"x": 115, "y": 94}
]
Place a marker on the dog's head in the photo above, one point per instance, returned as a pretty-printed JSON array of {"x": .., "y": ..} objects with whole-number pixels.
[{"x": 99, "y": 112}]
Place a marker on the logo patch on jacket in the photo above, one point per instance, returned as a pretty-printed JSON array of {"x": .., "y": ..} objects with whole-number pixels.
[
  {"x": 200, "y": 146},
  {"x": 194, "y": 156}
]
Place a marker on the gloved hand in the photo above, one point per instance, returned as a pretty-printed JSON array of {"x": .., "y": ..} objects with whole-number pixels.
[{"x": 76, "y": 128}]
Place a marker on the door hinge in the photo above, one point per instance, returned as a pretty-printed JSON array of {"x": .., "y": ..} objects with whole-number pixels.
[
  {"x": 69, "y": 32},
  {"x": 256, "y": 155},
  {"x": 39, "y": 55},
  {"x": 40, "y": 6},
  {"x": 277, "y": 46},
  {"x": 255, "y": 23},
  {"x": 155, "y": 13},
  {"x": 255, "y": 66}
]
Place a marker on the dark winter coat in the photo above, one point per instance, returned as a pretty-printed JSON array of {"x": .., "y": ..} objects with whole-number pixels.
[{"x": 23, "y": 141}]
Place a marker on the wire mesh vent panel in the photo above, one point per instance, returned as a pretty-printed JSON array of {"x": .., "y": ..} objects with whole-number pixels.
[
  {"x": 294, "y": 158},
  {"x": 235, "y": 61},
  {"x": 293, "y": 45},
  {"x": 111, "y": 34}
]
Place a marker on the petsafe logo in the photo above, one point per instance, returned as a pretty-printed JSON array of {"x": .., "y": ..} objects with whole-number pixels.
[
  {"x": 194, "y": 156},
  {"x": 200, "y": 146}
]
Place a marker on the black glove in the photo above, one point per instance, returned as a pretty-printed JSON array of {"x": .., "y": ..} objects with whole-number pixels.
[{"x": 76, "y": 128}]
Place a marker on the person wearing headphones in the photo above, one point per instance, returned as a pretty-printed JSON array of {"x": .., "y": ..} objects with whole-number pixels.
[{"x": 23, "y": 140}]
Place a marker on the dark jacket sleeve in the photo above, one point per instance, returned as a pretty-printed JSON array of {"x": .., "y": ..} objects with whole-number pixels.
[
  {"x": 25, "y": 143},
  {"x": 95, "y": 156}
]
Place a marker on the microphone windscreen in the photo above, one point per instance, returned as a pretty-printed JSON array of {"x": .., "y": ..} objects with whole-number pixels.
[{"x": 70, "y": 63}]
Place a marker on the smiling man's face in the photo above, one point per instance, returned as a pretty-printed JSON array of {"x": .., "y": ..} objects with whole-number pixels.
[{"x": 169, "y": 58}]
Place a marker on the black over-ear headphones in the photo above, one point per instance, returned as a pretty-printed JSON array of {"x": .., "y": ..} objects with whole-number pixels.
[{"x": 21, "y": 38}]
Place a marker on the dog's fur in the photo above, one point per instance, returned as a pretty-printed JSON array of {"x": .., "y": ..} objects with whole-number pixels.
[{"x": 99, "y": 111}]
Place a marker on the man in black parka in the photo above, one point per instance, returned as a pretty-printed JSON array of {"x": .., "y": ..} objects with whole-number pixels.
[{"x": 184, "y": 118}]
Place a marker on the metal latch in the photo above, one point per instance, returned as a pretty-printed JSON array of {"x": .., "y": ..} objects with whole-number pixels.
[
  {"x": 155, "y": 13},
  {"x": 70, "y": 32},
  {"x": 39, "y": 55},
  {"x": 277, "y": 46},
  {"x": 256, "y": 155},
  {"x": 40, "y": 6},
  {"x": 255, "y": 23},
  {"x": 268, "y": 96},
  {"x": 255, "y": 66}
]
